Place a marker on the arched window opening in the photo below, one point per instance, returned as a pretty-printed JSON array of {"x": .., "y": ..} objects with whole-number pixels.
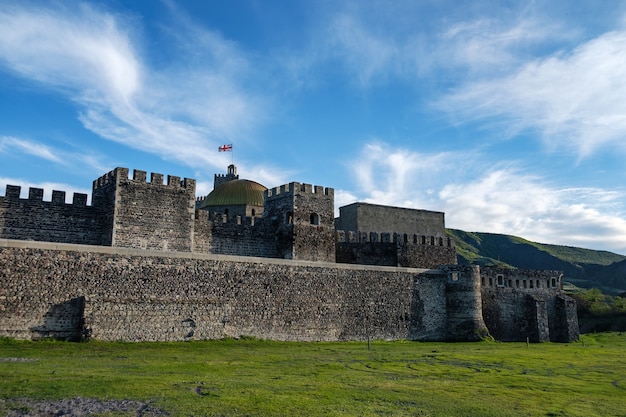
[
  {"x": 289, "y": 217},
  {"x": 315, "y": 219},
  {"x": 253, "y": 212}
]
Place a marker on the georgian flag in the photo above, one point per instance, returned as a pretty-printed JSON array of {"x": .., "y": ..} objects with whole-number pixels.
[{"x": 225, "y": 148}]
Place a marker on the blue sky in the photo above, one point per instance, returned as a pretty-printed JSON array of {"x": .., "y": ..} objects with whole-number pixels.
[{"x": 508, "y": 116}]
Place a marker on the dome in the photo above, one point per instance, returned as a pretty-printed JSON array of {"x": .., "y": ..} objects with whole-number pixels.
[{"x": 235, "y": 193}]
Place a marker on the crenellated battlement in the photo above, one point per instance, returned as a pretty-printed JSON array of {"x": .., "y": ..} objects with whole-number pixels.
[
  {"x": 205, "y": 216},
  {"x": 342, "y": 236},
  {"x": 36, "y": 195},
  {"x": 521, "y": 279},
  {"x": 121, "y": 174},
  {"x": 294, "y": 188},
  {"x": 110, "y": 178}
]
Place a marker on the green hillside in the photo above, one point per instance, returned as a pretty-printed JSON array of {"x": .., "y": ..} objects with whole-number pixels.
[{"x": 585, "y": 268}]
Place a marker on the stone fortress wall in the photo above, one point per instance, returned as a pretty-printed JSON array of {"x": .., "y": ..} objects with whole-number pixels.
[
  {"x": 56, "y": 221},
  {"x": 128, "y": 294},
  {"x": 157, "y": 269},
  {"x": 527, "y": 302}
]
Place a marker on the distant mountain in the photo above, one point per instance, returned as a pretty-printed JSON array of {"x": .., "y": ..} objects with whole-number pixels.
[{"x": 585, "y": 268}]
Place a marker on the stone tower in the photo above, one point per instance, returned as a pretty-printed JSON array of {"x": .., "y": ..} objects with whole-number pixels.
[
  {"x": 464, "y": 303},
  {"x": 302, "y": 216},
  {"x": 220, "y": 179},
  {"x": 136, "y": 213}
]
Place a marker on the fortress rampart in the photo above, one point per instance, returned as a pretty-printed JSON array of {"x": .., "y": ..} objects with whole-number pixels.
[
  {"x": 232, "y": 235},
  {"x": 129, "y": 294},
  {"x": 394, "y": 249},
  {"x": 141, "y": 263},
  {"x": 35, "y": 219},
  {"x": 527, "y": 302}
]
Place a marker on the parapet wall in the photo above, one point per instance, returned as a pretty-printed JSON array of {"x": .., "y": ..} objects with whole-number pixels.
[
  {"x": 232, "y": 235},
  {"x": 521, "y": 304},
  {"x": 129, "y": 294},
  {"x": 295, "y": 188},
  {"x": 365, "y": 216},
  {"x": 394, "y": 249},
  {"x": 33, "y": 218}
]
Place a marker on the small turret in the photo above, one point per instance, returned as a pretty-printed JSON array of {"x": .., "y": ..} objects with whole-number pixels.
[{"x": 220, "y": 179}]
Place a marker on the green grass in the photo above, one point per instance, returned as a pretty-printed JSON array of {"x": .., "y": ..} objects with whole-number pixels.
[{"x": 263, "y": 378}]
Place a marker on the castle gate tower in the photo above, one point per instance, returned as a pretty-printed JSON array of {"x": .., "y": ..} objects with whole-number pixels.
[{"x": 303, "y": 216}]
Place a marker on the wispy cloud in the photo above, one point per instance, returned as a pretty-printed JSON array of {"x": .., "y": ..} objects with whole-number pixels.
[
  {"x": 179, "y": 112},
  {"x": 511, "y": 202},
  {"x": 366, "y": 55},
  {"x": 75, "y": 48},
  {"x": 9, "y": 144},
  {"x": 389, "y": 175},
  {"x": 500, "y": 198},
  {"x": 376, "y": 43},
  {"x": 15, "y": 147},
  {"x": 574, "y": 99},
  {"x": 489, "y": 46}
]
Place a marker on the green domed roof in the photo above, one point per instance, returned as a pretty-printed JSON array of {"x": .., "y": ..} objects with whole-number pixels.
[{"x": 235, "y": 193}]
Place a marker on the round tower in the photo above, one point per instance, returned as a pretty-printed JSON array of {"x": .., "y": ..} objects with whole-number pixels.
[{"x": 464, "y": 304}]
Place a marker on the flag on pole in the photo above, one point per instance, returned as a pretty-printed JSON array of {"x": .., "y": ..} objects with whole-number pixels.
[{"x": 225, "y": 148}]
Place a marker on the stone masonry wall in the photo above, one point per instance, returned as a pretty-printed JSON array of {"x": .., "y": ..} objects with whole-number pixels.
[
  {"x": 149, "y": 295},
  {"x": 154, "y": 215},
  {"x": 520, "y": 304},
  {"x": 233, "y": 235},
  {"x": 393, "y": 249},
  {"x": 50, "y": 221},
  {"x": 377, "y": 218},
  {"x": 300, "y": 219},
  {"x": 463, "y": 303},
  {"x": 314, "y": 223}
]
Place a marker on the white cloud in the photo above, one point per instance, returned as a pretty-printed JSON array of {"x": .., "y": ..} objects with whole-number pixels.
[
  {"x": 499, "y": 199},
  {"x": 573, "y": 99},
  {"x": 9, "y": 144},
  {"x": 181, "y": 112},
  {"x": 343, "y": 198},
  {"x": 510, "y": 202},
  {"x": 78, "y": 49},
  {"x": 385, "y": 174},
  {"x": 12, "y": 147}
]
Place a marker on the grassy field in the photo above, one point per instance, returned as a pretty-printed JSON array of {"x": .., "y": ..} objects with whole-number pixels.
[{"x": 263, "y": 378}]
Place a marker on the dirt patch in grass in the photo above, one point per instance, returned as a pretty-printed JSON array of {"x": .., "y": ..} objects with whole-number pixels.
[{"x": 78, "y": 407}]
